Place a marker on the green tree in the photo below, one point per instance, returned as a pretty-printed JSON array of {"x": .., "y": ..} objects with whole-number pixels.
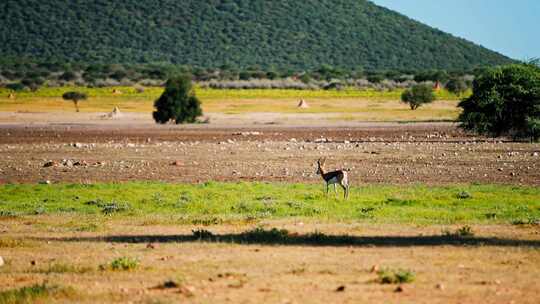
[
  {"x": 418, "y": 95},
  {"x": 505, "y": 101},
  {"x": 456, "y": 85},
  {"x": 75, "y": 97},
  {"x": 178, "y": 103}
]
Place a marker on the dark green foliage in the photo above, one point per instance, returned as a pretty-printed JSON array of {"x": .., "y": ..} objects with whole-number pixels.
[
  {"x": 75, "y": 97},
  {"x": 456, "y": 85},
  {"x": 284, "y": 34},
  {"x": 505, "y": 101},
  {"x": 178, "y": 103},
  {"x": 15, "y": 86},
  {"x": 418, "y": 95},
  {"x": 68, "y": 76}
]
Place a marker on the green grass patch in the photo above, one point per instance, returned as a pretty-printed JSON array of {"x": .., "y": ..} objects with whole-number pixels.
[
  {"x": 34, "y": 293},
  {"x": 398, "y": 276},
  {"x": 213, "y": 203}
]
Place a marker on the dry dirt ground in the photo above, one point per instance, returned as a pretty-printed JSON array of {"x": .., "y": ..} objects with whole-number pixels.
[
  {"x": 498, "y": 265},
  {"x": 261, "y": 147}
]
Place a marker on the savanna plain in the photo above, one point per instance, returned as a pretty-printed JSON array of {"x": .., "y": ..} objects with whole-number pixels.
[{"x": 95, "y": 208}]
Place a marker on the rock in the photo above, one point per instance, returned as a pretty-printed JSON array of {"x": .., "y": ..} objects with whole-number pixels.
[
  {"x": 150, "y": 246},
  {"x": 80, "y": 163},
  {"x": 33, "y": 262},
  {"x": 50, "y": 164},
  {"x": 230, "y": 141},
  {"x": 340, "y": 288},
  {"x": 439, "y": 286},
  {"x": 77, "y": 145},
  {"x": 374, "y": 268},
  {"x": 67, "y": 163},
  {"x": 399, "y": 289},
  {"x": 1, "y": 261},
  {"x": 45, "y": 182},
  {"x": 177, "y": 163}
]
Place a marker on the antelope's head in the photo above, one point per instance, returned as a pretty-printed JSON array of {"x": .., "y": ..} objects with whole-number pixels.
[{"x": 320, "y": 165}]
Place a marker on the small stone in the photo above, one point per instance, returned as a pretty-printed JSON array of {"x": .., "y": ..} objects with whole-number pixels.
[
  {"x": 77, "y": 145},
  {"x": 439, "y": 286},
  {"x": 33, "y": 262},
  {"x": 399, "y": 289},
  {"x": 177, "y": 163},
  {"x": 45, "y": 182},
  {"x": 374, "y": 268},
  {"x": 150, "y": 246},
  {"x": 1, "y": 261},
  {"x": 340, "y": 288}
]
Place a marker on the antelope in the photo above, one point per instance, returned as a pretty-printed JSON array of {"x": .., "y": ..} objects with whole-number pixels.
[{"x": 334, "y": 177}]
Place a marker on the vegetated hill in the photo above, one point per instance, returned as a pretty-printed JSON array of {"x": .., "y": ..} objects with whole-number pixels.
[{"x": 282, "y": 34}]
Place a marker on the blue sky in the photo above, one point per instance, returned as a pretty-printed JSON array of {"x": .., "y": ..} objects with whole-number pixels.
[{"x": 511, "y": 27}]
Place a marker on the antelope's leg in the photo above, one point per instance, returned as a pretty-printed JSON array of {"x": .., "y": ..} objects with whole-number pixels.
[{"x": 335, "y": 190}]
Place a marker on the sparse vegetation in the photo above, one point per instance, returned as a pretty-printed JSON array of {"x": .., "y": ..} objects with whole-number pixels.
[
  {"x": 124, "y": 263},
  {"x": 32, "y": 294},
  {"x": 397, "y": 276},
  {"x": 418, "y": 95}
]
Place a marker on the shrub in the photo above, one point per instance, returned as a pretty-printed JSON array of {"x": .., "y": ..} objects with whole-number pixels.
[
  {"x": 418, "y": 95},
  {"x": 124, "y": 263},
  {"x": 75, "y": 97},
  {"x": 505, "y": 101},
  {"x": 399, "y": 276},
  {"x": 16, "y": 86},
  {"x": 456, "y": 86},
  {"x": 178, "y": 103}
]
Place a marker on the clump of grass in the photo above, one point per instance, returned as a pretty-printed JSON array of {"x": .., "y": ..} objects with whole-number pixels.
[
  {"x": 8, "y": 214},
  {"x": 63, "y": 268},
  {"x": 462, "y": 232},
  {"x": 12, "y": 243},
  {"x": 530, "y": 221},
  {"x": 110, "y": 207},
  {"x": 122, "y": 263},
  {"x": 397, "y": 276},
  {"x": 463, "y": 195},
  {"x": 87, "y": 227},
  {"x": 202, "y": 234},
  {"x": 31, "y": 294}
]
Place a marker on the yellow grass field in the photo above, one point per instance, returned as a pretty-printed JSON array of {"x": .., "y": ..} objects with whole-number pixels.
[{"x": 359, "y": 105}]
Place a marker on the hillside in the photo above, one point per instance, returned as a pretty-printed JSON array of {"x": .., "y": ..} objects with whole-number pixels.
[{"x": 283, "y": 34}]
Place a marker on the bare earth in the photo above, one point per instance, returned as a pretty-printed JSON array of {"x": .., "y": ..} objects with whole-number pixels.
[
  {"x": 501, "y": 265},
  {"x": 256, "y": 147}
]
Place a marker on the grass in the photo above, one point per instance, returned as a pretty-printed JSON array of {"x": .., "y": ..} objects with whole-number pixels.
[
  {"x": 62, "y": 268},
  {"x": 32, "y": 294},
  {"x": 352, "y": 104},
  {"x": 124, "y": 263},
  {"x": 214, "y": 203},
  {"x": 398, "y": 276}
]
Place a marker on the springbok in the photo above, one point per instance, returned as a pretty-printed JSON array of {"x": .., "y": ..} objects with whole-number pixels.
[{"x": 334, "y": 177}]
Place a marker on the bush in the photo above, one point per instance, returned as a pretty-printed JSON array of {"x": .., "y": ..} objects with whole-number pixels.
[
  {"x": 16, "y": 86},
  {"x": 457, "y": 86},
  {"x": 178, "y": 102},
  {"x": 505, "y": 101},
  {"x": 75, "y": 97},
  {"x": 389, "y": 276},
  {"x": 418, "y": 95}
]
